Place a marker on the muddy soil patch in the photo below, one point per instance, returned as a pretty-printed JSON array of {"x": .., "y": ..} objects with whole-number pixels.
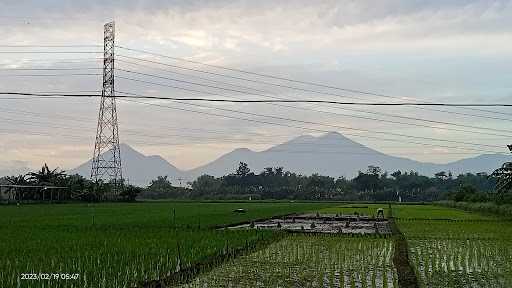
[{"x": 322, "y": 223}]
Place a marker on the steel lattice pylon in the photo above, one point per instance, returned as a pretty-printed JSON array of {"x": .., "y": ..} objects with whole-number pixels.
[{"x": 106, "y": 163}]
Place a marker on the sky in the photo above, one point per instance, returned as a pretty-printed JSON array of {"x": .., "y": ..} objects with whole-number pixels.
[{"x": 441, "y": 51}]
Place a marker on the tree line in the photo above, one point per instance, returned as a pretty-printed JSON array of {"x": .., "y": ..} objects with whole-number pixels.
[
  {"x": 55, "y": 185},
  {"x": 370, "y": 185},
  {"x": 272, "y": 183}
]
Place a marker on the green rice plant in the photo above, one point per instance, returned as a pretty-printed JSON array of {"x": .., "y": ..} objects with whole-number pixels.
[
  {"x": 474, "y": 251},
  {"x": 504, "y": 210},
  {"x": 126, "y": 243},
  {"x": 456, "y": 229},
  {"x": 469, "y": 263},
  {"x": 309, "y": 261},
  {"x": 434, "y": 212}
]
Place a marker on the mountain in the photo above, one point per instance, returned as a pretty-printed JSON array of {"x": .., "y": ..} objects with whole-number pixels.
[
  {"x": 336, "y": 155},
  {"x": 481, "y": 163},
  {"x": 330, "y": 154},
  {"x": 14, "y": 171},
  {"x": 138, "y": 168}
]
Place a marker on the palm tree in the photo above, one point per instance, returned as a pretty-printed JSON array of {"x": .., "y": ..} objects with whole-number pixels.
[
  {"x": 16, "y": 180},
  {"x": 46, "y": 177},
  {"x": 504, "y": 176}
]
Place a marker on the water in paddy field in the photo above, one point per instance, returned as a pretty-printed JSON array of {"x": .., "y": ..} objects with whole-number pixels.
[
  {"x": 324, "y": 223},
  {"x": 309, "y": 261},
  {"x": 462, "y": 263}
]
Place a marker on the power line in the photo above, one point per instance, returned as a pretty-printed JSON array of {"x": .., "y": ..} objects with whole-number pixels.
[
  {"x": 61, "y": 60},
  {"x": 128, "y": 132},
  {"x": 255, "y": 101},
  {"x": 273, "y": 76},
  {"x": 28, "y": 97},
  {"x": 327, "y": 112},
  {"x": 188, "y": 130},
  {"x": 169, "y": 86},
  {"x": 466, "y": 114},
  {"x": 428, "y": 120},
  {"x": 312, "y": 91},
  {"x": 256, "y": 74},
  {"x": 283, "y": 78},
  {"x": 191, "y": 76},
  {"x": 308, "y": 109},
  {"x": 50, "y": 52},
  {"x": 79, "y": 139},
  {"x": 368, "y": 153},
  {"x": 189, "y": 82},
  {"x": 329, "y": 125},
  {"x": 236, "y": 78},
  {"x": 47, "y": 46},
  {"x": 297, "y": 127},
  {"x": 50, "y": 69},
  {"x": 32, "y": 98},
  {"x": 290, "y": 126},
  {"x": 50, "y": 75},
  {"x": 132, "y": 95},
  {"x": 159, "y": 136},
  {"x": 244, "y": 79},
  {"x": 166, "y": 127}
]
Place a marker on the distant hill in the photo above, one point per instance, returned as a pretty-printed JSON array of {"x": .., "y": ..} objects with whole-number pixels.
[
  {"x": 14, "y": 171},
  {"x": 330, "y": 154},
  {"x": 138, "y": 168},
  {"x": 336, "y": 155},
  {"x": 481, "y": 163}
]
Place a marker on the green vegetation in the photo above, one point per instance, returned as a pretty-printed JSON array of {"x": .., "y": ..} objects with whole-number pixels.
[
  {"x": 462, "y": 262},
  {"x": 119, "y": 244},
  {"x": 370, "y": 185},
  {"x": 421, "y": 212},
  {"x": 53, "y": 185},
  {"x": 125, "y": 244},
  {"x": 485, "y": 207},
  {"x": 310, "y": 261},
  {"x": 456, "y": 229},
  {"x": 360, "y": 209},
  {"x": 271, "y": 183},
  {"x": 468, "y": 250},
  {"x": 504, "y": 176}
]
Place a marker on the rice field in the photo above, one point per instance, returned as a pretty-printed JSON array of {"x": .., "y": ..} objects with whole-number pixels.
[
  {"x": 468, "y": 250},
  {"x": 310, "y": 261},
  {"x": 431, "y": 212},
  {"x": 129, "y": 245},
  {"x": 120, "y": 245},
  {"x": 462, "y": 262}
]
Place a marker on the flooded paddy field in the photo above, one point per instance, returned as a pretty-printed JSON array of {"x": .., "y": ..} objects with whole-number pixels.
[
  {"x": 454, "y": 248},
  {"x": 322, "y": 223},
  {"x": 310, "y": 260},
  {"x": 168, "y": 244}
]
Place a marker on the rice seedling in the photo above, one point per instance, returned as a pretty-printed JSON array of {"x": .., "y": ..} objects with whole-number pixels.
[
  {"x": 457, "y": 249},
  {"x": 435, "y": 213},
  {"x": 309, "y": 261},
  {"x": 462, "y": 263},
  {"x": 120, "y": 245}
]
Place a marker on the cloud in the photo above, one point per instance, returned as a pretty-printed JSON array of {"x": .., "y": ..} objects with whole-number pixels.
[{"x": 433, "y": 50}]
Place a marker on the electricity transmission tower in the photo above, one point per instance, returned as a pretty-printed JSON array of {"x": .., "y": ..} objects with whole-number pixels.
[{"x": 106, "y": 162}]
